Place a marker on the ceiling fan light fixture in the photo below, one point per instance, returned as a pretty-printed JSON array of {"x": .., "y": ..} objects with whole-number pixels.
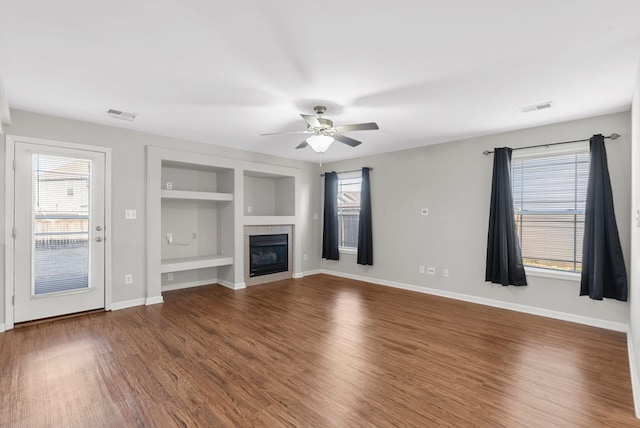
[{"x": 320, "y": 143}]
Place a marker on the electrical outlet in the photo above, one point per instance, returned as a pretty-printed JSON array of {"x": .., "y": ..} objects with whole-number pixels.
[
  {"x": 169, "y": 185},
  {"x": 431, "y": 271},
  {"x": 128, "y": 279},
  {"x": 170, "y": 238},
  {"x": 129, "y": 214},
  {"x": 445, "y": 272},
  {"x": 305, "y": 257},
  {"x": 169, "y": 277},
  {"x": 421, "y": 269}
]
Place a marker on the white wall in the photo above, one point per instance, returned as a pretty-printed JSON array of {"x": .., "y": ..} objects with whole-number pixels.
[
  {"x": 453, "y": 180},
  {"x": 634, "y": 292},
  {"x": 128, "y": 237}
]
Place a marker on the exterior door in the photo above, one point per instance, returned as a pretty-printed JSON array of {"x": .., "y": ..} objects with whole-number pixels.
[{"x": 59, "y": 231}]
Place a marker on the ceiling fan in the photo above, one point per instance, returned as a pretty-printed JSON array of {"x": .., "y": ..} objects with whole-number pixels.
[{"x": 324, "y": 133}]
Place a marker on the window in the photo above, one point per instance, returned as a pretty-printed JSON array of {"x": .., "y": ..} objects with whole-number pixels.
[
  {"x": 348, "y": 210},
  {"x": 549, "y": 195}
]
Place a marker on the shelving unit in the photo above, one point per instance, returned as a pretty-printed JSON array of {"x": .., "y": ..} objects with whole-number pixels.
[
  {"x": 191, "y": 220},
  {"x": 268, "y": 195},
  {"x": 190, "y": 263},
  {"x": 196, "y": 215},
  {"x": 195, "y": 195},
  {"x": 272, "y": 220}
]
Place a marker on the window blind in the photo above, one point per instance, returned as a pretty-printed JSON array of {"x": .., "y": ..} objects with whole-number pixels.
[{"x": 549, "y": 195}]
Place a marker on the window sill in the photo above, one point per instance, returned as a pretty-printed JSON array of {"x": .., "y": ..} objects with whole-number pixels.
[
  {"x": 347, "y": 250},
  {"x": 553, "y": 274}
]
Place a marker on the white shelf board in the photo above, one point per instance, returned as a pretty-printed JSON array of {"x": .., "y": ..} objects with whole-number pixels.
[
  {"x": 188, "y": 263},
  {"x": 199, "y": 196},
  {"x": 268, "y": 220}
]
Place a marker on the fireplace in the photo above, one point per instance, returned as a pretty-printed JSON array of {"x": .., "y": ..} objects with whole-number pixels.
[{"x": 268, "y": 254}]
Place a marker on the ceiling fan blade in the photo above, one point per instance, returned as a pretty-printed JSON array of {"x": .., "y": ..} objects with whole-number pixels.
[
  {"x": 285, "y": 133},
  {"x": 357, "y": 127},
  {"x": 311, "y": 120},
  {"x": 348, "y": 141},
  {"x": 302, "y": 145}
]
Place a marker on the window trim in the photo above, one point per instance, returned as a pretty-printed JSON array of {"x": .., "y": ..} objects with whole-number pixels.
[
  {"x": 542, "y": 152},
  {"x": 553, "y": 274},
  {"x": 348, "y": 176},
  {"x": 348, "y": 250}
]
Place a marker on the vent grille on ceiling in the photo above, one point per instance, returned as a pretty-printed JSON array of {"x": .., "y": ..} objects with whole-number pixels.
[
  {"x": 535, "y": 107},
  {"x": 122, "y": 115}
]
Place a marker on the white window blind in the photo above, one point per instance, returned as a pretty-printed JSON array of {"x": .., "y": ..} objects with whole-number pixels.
[
  {"x": 549, "y": 195},
  {"x": 348, "y": 210}
]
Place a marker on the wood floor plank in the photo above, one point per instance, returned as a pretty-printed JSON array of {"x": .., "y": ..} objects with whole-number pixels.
[{"x": 314, "y": 352}]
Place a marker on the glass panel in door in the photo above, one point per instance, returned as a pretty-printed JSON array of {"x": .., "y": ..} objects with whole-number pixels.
[{"x": 61, "y": 221}]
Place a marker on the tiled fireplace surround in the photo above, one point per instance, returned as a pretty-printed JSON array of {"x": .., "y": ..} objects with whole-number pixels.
[{"x": 267, "y": 230}]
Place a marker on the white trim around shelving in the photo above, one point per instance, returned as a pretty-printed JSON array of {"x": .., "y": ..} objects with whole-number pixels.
[
  {"x": 189, "y": 284},
  {"x": 269, "y": 220},
  {"x": 153, "y": 300},
  {"x": 579, "y": 319},
  {"x": 189, "y": 263},
  {"x": 231, "y": 285},
  {"x": 116, "y": 306},
  {"x": 195, "y": 195}
]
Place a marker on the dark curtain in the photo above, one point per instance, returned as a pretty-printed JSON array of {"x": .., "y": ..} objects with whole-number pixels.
[
  {"x": 365, "y": 232},
  {"x": 603, "y": 270},
  {"x": 330, "y": 226},
  {"x": 504, "y": 256}
]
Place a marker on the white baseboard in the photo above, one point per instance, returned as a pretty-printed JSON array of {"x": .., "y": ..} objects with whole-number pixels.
[
  {"x": 299, "y": 275},
  {"x": 231, "y": 285},
  {"x": 183, "y": 285},
  {"x": 580, "y": 319},
  {"x": 116, "y": 306},
  {"x": 635, "y": 376},
  {"x": 3, "y": 328},
  {"x": 153, "y": 300}
]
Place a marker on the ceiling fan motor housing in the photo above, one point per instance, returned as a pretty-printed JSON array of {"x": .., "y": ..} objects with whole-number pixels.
[{"x": 320, "y": 110}]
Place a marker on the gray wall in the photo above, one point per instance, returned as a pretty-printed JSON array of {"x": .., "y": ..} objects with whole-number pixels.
[
  {"x": 453, "y": 180},
  {"x": 128, "y": 183},
  {"x": 634, "y": 292}
]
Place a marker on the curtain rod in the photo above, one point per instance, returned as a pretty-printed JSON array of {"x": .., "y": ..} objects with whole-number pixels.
[
  {"x": 613, "y": 136},
  {"x": 351, "y": 170}
]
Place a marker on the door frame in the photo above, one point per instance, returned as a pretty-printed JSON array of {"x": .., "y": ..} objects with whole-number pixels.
[{"x": 9, "y": 256}]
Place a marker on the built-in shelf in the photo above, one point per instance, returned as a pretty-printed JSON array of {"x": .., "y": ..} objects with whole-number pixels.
[
  {"x": 268, "y": 220},
  {"x": 188, "y": 263},
  {"x": 195, "y": 196}
]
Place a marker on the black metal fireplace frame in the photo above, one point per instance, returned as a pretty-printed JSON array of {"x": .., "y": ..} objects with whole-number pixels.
[{"x": 258, "y": 265}]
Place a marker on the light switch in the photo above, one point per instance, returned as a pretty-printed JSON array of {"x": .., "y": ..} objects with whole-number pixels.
[{"x": 129, "y": 214}]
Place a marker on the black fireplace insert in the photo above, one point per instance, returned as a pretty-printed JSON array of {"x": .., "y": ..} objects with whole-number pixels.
[{"x": 268, "y": 254}]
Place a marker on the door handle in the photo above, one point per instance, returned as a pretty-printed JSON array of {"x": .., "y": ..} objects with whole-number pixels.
[
  {"x": 99, "y": 239},
  {"x": 98, "y": 228}
]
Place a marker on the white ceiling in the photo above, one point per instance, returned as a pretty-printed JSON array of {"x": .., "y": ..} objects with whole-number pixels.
[{"x": 224, "y": 72}]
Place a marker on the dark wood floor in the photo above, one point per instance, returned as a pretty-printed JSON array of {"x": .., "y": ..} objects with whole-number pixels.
[{"x": 314, "y": 352}]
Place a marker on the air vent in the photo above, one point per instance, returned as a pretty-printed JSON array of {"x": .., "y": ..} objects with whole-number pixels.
[
  {"x": 535, "y": 107},
  {"x": 122, "y": 115}
]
